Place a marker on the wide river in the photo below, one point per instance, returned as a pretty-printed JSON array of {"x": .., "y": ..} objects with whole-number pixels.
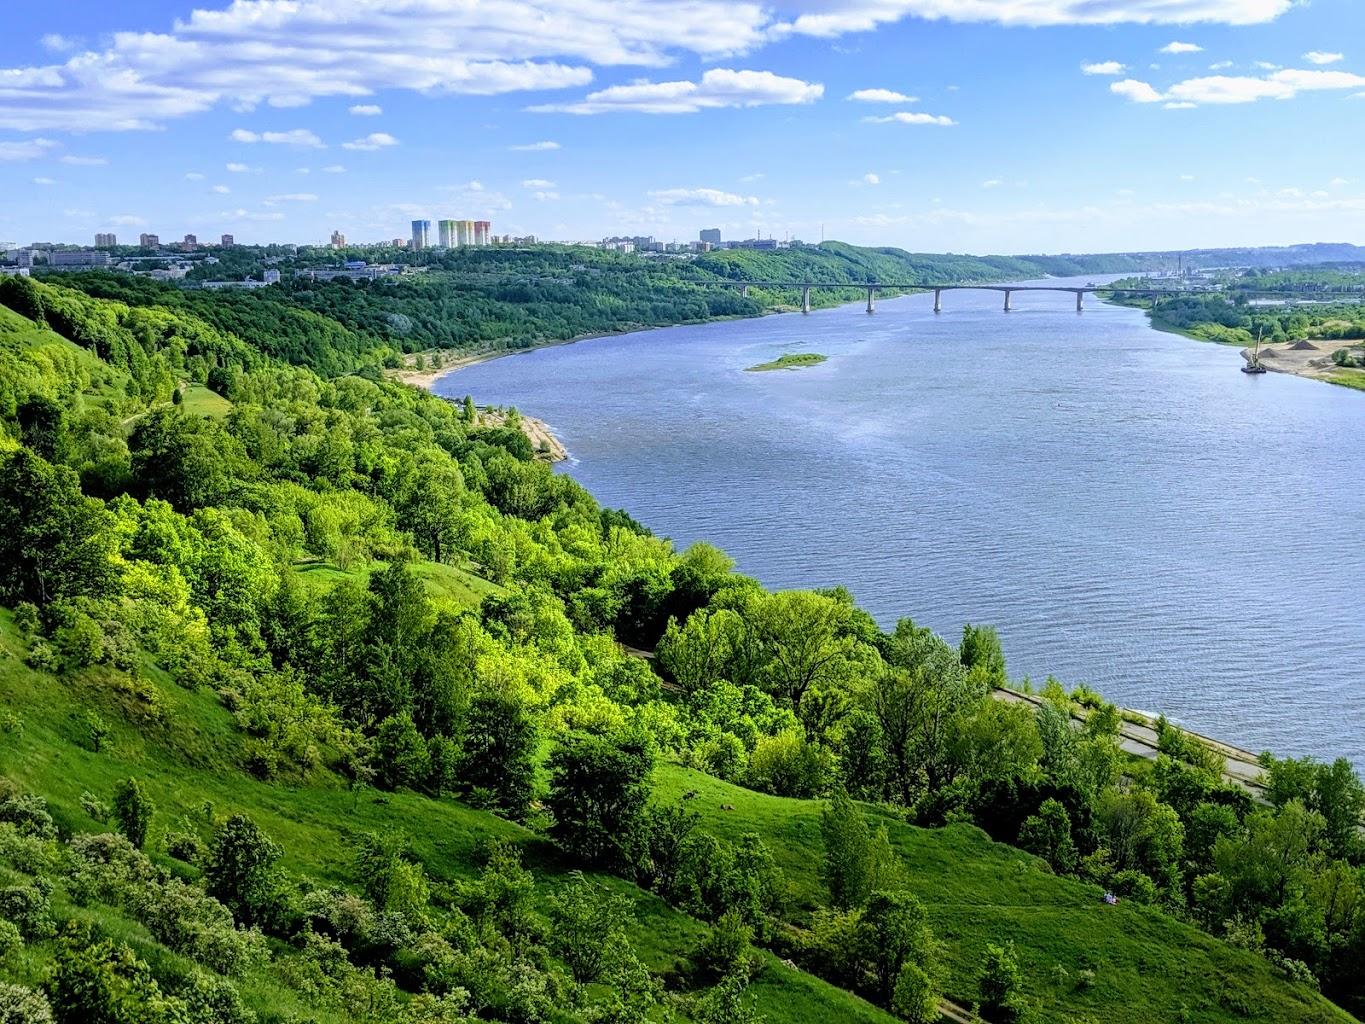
[{"x": 1127, "y": 508}]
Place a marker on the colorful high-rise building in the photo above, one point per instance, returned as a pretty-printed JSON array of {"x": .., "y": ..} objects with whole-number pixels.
[
  {"x": 421, "y": 234},
  {"x": 481, "y": 231},
  {"x": 445, "y": 233}
]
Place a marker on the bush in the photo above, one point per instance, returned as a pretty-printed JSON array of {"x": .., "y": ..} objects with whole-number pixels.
[
  {"x": 1001, "y": 983},
  {"x": 914, "y": 999},
  {"x": 599, "y": 788},
  {"x": 20, "y": 1005},
  {"x": 241, "y": 870},
  {"x": 10, "y": 940},
  {"x": 94, "y": 807},
  {"x": 133, "y": 810},
  {"x": 182, "y": 917},
  {"x": 400, "y": 754},
  {"x": 787, "y": 765},
  {"x": 29, "y": 815},
  {"x": 724, "y": 950},
  {"x": 29, "y": 907}
]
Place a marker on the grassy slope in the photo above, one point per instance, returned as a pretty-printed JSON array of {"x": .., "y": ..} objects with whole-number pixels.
[
  {"x": 192, "y": 758},
  {"x": 22, "y": 338},
  {"x": 1148, "y": 967}
]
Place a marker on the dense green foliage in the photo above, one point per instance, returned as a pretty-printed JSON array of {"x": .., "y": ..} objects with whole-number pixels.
[{"x": 302, "y": 641}]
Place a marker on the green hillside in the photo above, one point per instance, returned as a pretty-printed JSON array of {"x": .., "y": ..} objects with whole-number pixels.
[{"x": 320, "y": 701}]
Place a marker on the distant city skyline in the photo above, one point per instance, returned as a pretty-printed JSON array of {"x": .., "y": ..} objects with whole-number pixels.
[{"x": 981, "y": 126}]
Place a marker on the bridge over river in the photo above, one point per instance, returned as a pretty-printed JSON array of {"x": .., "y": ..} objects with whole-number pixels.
[{"x": 1153, "y": 292}]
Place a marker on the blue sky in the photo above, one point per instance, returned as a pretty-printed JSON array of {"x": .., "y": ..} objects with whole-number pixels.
[{"x": 936, "y": 125}]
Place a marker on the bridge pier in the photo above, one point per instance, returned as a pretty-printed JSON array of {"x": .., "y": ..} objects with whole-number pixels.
[
  {"x": 744, "y": 291},
  {"x": 805, "y": 299},
  {"x": 938, "y": 300},
  {"x": 1008, "y": 293},
  {"x": 872, "y": 300},
  {"x": 1080, "y": 302}
]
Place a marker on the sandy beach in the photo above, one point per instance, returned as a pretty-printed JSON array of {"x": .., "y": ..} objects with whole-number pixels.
[{"x": 1312, "y": 359}]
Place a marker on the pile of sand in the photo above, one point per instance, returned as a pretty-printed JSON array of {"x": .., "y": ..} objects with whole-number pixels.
[{"x": 1304, "y": 346}]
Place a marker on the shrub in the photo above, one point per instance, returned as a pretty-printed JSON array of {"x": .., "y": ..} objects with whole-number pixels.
[
  {"x": 599, "y": 787},
  {"x": 914, "y": 999},
  {"x": 241, "y": 870},
  {"x": 29, "y": 907},
  {"x": 133, "y": 810},
  {"x": 20, "y": 1005},
  {"x": 10, "y": 940},
  {"x": 185, "y": 919},
  {"x": 787, "y": 765},
  {"x": 724, "y": 949},
  {"x": 400, "y": 753},
  {"x": 29, "y": 815},
  {"x": 94, "y": 807},
  {"x": 1001, "y": 982}
]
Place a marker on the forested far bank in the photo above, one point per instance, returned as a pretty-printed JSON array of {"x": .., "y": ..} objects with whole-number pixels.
[{"x": 320, "y": 705}]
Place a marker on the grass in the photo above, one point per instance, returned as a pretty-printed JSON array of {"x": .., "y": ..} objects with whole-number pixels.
[
  {"x": 1350, "y": 378},
  {"x": 452, "y": 585},
  {"x": 1148, "y": 966},
  {"x": 200, "y": 401},
  {"x": 190, "y": 757},
  {"x": 790, "y": 361}
]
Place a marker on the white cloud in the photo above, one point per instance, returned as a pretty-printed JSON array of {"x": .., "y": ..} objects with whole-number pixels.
[
  {"x": 537, "y": 183},
  {"x": 752, "y": 177},
  {"x": 545, "y": 196},
  {"x": 1182, "y": 48},
  {"x": 992, "y": 183},
  {"x": 300, "y": 138},
  {"x": 44, "y": 181},
  {"x": 871, "y": 179},
  {"x": 1104, "y": 67},
  {"x": 837, "y": 17},
  {"x": 236, "y": 168},
  {"x": 371, "y": 142},
  {"x": 127, "y": 220},
  {"x": 908, "y": 117},
  {"x": 291, "y": 197},
  {"x": 1319, "y": 57},
  {"x": 1338, "y": 182},
  {"x": 334, "y": 169},
  {"x": 535, "y": 147},
  {"x": 222, "y": 190},
  {"x": 1229, "y": 89},
  {"x": 701, "y": 197},
  {"x": 247, "y": 215},
  {"x": 1221, "y": 65},
  {"x": 881, "y": 96},
  {"x": 85, "y": 161},
  {"x": 58, "y": 43},
  {"x": 25, "y": 149},
  {"x": 366, "y": 110},
  {"x": 1265, "y": 65},
  {"x": 719, "y": 87}
]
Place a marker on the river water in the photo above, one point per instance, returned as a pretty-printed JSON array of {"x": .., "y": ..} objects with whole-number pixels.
[{"x": 1127, "y": 508}]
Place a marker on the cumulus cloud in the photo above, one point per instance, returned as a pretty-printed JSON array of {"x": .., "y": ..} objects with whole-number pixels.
[
  {"x": 701, "y": 197},
  {"x": 719, "y": 87},
  {"x": 44, "y": 181},
  {"x": 248, "y": 215},
  {"x": 85, "y": 161},
  {"x": 221, "y": 190},
  {"x": 871, "y": 179},
  {"x": 366, "y": 110},
  {"x": 909, "y": 117},
  {"x": 1229, "y": 89},
  {"x": 1178, "y": 47},
  {"x": 535, "y": 147},
  {"x": 300, "y": 138},
  {"x": 537, "y": 183},
  {"x": 334, "y": 169},
  {"x": 1319, "y": 57},
  {"x": 194, "y": 176},
  {"x": 881, "y": 96},
  {"x": 25, "y": 149},
  {"x": 1104, "y": 67},
  {"x": 237, "y": 168},
  {"x": 371, "y": 142}
]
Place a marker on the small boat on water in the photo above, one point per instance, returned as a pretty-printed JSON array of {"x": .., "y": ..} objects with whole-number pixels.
[{"x": 1253, "y": 365}]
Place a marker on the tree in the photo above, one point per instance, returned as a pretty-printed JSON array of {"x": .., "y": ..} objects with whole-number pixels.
[
  {"x": 499, "y": 757},
  {"x": 182, "y": 459},
  {"x": 97, "y": 981},
  {"x": 133, "y": 810},
  {"x": 857, "y": 860},
  {"x": 726, "y": 1004},
  {"x": 241, "y": 870},
  {"x": 982, "y": 655},
  {"x": 1048, "y": 835},
  {"x": 599, "y": 788},
  {"x": 54, "y": 541},
  {"x": 400, "y": 753},
  {"x": 914, "y": 999},
  {"x": 892, "y": 932},
  {"x": 1001, "y": 982},
  {"x": 805, "y": 637},
  {"x": 588, "y": 928},
  {"x": 42, "y": 427}
]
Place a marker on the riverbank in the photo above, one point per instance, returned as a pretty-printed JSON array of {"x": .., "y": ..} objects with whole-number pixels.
[
  {"x": 1311, "y": 359},
  {"x": 538, "y": 432}
]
